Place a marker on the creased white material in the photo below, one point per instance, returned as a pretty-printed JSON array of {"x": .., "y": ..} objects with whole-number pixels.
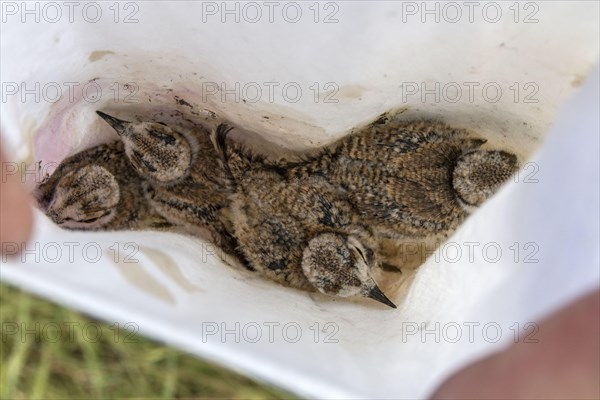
[{"x": 178, "y": 292}]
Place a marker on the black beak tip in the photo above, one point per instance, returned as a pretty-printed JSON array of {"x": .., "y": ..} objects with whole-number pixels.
[
  {"x": 377, "y": 294},
  {"x": 115, "y": 123}
]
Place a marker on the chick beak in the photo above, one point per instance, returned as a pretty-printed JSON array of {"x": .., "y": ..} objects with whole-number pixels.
[
  {"x": 377, "y": 294},
  {"x": 117, "y": 124}
]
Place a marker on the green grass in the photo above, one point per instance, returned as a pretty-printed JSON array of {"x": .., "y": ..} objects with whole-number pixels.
[{"x": 36, "y": 364}]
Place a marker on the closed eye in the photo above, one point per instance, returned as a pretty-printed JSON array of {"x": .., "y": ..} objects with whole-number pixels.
[
  {"x": 89, "y": 220},
  {"x": 137, "y": 159},
  {"x": 365, "y": 252},
  {"x": 92, "y": 208},
  {"x": 94, "y": 219},
  {"x": 361, "y": 254},
  {"x": 168, "y": 139}
]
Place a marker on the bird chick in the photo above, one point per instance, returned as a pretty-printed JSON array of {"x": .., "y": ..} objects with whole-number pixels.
[
  {"x": 301, "y": 233},
  {"x": 97, "y": 189},
  {"x": 85, "y": 199},
  {"x": 339, "y": 265},
  {"x": 156, "y": 151},
  {"x": 186, "y": 182},
  {"x": 478, "y": 174},
  {"x": 412, "y": 179}
]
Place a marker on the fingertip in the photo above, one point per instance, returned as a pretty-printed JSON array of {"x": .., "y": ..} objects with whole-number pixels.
[{"x": 16, "y": 216}]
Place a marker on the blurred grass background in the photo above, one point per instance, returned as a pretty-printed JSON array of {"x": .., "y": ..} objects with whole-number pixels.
[{"x": 44, "y": 366}]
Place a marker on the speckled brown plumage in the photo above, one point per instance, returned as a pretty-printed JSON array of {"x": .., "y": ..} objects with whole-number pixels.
[
  {"x": 410, "y": 179},
  {"x": 300, "y": 232},
  {"x": 314, "y": 224},
  {"x": 478, "y": 174},
  {"x": 185, "y": 180},
  {"x": 97, "y": 189}
]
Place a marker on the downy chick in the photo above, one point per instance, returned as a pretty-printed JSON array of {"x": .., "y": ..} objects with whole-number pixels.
[
  {"x": 411, "y": 179},
  {"x": 300, "y": 232},
  {"x": 186, "y": 182},
  {"x": 97, "y": 189}
]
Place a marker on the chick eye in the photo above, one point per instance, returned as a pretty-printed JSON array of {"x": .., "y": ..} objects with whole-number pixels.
[
  {"x": 168, "y": 139},
  {"x": 86, "y": 221},
  {"x": 358, "y": 249},
  {"x": 89, "y": 220},
  {"x": 137, "y": 159},
  {"x": 94, "y": 219},
  {"x": 365, "y": 253}
]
